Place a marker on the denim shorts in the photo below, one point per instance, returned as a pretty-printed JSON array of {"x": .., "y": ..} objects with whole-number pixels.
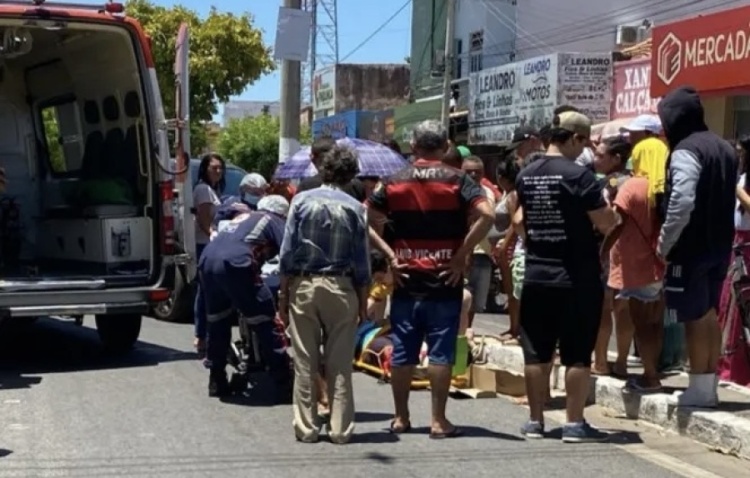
[
  {"x": 415, "y": 320},
  {"x": 646, "y": 294}
]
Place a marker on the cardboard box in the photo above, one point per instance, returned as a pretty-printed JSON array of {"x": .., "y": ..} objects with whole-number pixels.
[{"x": 489, "y": 379}]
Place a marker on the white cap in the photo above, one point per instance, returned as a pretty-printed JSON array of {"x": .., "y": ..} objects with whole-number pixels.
[
  {"x": 274, "y": 203},
  {"x": 254, "y": 180},
  {"x": 650, "y": 123}
]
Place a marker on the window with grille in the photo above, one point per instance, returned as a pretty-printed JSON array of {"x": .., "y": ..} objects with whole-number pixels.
[
  {"x": 459, "y": 53},
  {"x": 476, "y": 45}
]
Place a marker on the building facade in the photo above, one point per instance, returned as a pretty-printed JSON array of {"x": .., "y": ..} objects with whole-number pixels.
[
  {"x": 490, "y": 33},
  {"x": 356, "y": 87},
  {"x": 242, "y": 109}
]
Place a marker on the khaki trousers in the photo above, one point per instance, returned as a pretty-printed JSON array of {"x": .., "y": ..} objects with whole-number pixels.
[{"x": 323, "y": 308}]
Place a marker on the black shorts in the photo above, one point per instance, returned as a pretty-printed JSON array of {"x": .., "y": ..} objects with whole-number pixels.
[{"x": 569, "y": 316}]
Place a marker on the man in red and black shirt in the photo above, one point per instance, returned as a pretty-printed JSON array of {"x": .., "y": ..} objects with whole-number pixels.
[{"x": 429, "y": 206}]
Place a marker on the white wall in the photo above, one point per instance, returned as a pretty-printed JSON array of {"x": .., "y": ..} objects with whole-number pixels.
[
  {"x": 546, "y": 26},
  {"x": 497, "y": 19}
]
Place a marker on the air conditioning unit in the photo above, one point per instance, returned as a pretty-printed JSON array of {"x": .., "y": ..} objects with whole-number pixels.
[
  {"x": 644, "y": 33},
  {"x": 626, "y": 35}
]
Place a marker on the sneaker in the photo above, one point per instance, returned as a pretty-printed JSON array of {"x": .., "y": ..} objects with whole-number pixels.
[
  {"x": 532, "y": 429},
  {"x": 582, "y": 433},
  {"x": 218, "y": 385}
]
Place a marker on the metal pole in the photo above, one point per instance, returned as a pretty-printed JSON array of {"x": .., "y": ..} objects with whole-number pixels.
[
  {"x": 313, "y": 47},
  {"x": 291, "y": 80},
  {"x": 450, "y": 28}
]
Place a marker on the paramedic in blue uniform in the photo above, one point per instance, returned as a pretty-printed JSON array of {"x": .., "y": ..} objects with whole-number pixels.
[
  {"x": 252, "y": 189},
  {"x": 230, "y": 271}
]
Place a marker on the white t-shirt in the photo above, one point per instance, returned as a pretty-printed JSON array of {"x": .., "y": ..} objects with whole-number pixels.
[
  {"x": 204, "y": 194},
  {"x": 741, "y": 219}
]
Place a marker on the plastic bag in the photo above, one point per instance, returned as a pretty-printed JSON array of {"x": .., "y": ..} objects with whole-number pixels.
[{"x": 673, "y": 345}]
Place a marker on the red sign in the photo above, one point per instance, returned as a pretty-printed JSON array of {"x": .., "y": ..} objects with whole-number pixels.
[
  {"x": 710, "y": 53},
  {"x": 632, "y": 95}
]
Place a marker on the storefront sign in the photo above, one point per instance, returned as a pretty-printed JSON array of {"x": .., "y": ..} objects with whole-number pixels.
[
  {"x": 710, "y": 53},
  {"x": 586, "y": 83},
  {"x": 527, "y": 92},
  {"x": 338, "y": 126},
  {"x": 492, "y": 97},
  {"x": 632, "y": 89},
  {"x": 324, "y": 90}
]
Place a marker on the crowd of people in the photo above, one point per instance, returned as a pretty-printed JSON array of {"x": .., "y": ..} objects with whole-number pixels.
[{"x": 638, "y": 227}]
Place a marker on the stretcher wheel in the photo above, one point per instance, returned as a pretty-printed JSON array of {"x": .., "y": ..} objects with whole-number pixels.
[{"x": 238, "y": 383}]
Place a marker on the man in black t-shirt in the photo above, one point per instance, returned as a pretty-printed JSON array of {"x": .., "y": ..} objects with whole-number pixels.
[
  {"x": 561, "y": 301},
  {"x": 320, "y": 147}
]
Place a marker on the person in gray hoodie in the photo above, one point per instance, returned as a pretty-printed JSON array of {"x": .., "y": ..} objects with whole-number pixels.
[{"x": 696, "y": 235}]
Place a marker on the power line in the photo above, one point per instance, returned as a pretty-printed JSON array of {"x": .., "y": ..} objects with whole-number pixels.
[{"x": 377, "y": 30}]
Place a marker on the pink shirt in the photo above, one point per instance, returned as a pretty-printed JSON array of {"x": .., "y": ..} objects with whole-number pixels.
[{"x": 633, "y": 261}]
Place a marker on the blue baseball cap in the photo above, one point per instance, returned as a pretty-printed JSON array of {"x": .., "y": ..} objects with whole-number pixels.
[{"x": 650, "y": 123}]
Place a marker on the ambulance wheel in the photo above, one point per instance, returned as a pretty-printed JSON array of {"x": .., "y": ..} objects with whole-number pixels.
[
  {"x": 238, "y": 383},
  {"x": 118, "y": 332},
  {"x": 178, "y": 307}
]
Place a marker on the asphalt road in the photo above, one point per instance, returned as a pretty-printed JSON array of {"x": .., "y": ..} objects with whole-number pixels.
[{"x": 67, "y": 410}]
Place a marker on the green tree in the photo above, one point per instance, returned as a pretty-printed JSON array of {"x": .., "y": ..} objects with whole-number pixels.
[
  {"x": 252, "y": 143},
  {"x": 226, "y": 55}
]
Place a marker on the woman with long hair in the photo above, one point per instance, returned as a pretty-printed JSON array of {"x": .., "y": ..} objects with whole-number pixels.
[
  {"x": 734, "y": 364},
  {"x": 206, "y": 194}
]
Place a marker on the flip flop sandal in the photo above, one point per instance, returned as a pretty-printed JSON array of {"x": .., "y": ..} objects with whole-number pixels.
[
  {"x": 406, "y": 428},
  {"x": 455, "y": 433}
]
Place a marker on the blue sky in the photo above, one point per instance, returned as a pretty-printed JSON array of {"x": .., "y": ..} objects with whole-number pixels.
[{"x": 357, "y": 20}]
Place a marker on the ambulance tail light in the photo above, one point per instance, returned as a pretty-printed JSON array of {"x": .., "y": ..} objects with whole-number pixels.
[{"x": 166, "y": 193}]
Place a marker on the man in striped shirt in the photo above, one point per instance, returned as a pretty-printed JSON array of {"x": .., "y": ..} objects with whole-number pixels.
[
  {"x": 325, "y": 267},
  {"x": 430, "y": 206}
]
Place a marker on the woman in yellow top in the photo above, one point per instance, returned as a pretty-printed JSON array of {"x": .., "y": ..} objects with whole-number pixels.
[{"x": 649, "y": 156}]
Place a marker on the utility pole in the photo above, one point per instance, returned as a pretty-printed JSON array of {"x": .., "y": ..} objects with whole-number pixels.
[
  {"x": 450, "y": 29},
  {"x": 291, "y": 92}
]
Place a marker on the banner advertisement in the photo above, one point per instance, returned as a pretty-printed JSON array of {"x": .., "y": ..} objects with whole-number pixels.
[
  {"x": 324, "y": 90},
  {"x": 585, "y": 82},
  {"x": 527, "y": 92},
  {"x": 492, "y": 100},
  {"x": 632, "y": 89},
  {"x": 342, "y": 125}
]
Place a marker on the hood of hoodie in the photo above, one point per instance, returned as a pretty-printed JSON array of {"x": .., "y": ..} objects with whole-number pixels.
[{"x": 681, "y": 114}]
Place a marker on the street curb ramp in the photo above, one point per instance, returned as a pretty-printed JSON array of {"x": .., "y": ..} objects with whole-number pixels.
[{"x": 722, "y": 431}]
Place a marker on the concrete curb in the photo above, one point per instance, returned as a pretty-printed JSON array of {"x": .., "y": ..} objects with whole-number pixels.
[{"x": 722, "y": 431}]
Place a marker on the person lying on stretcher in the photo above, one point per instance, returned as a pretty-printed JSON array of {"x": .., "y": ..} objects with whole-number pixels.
[{"x": 382, "y": 288}]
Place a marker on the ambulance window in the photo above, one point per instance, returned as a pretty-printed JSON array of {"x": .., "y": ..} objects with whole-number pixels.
[{"x": 62, "y": 133}]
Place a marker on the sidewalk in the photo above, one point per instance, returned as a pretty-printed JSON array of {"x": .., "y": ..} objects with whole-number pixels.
[{"x": 726, "y": 430}]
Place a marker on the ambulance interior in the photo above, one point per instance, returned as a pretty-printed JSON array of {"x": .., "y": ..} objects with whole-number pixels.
[{"x": 75, "y": 149}]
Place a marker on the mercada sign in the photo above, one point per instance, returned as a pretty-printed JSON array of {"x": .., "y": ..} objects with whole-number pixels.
[
  {"x": 632, "y": 95},
  {"x": 711, "y": 53}
]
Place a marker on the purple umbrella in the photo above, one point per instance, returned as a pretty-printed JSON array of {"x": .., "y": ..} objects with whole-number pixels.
[{"x": 375, "y": 160}]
